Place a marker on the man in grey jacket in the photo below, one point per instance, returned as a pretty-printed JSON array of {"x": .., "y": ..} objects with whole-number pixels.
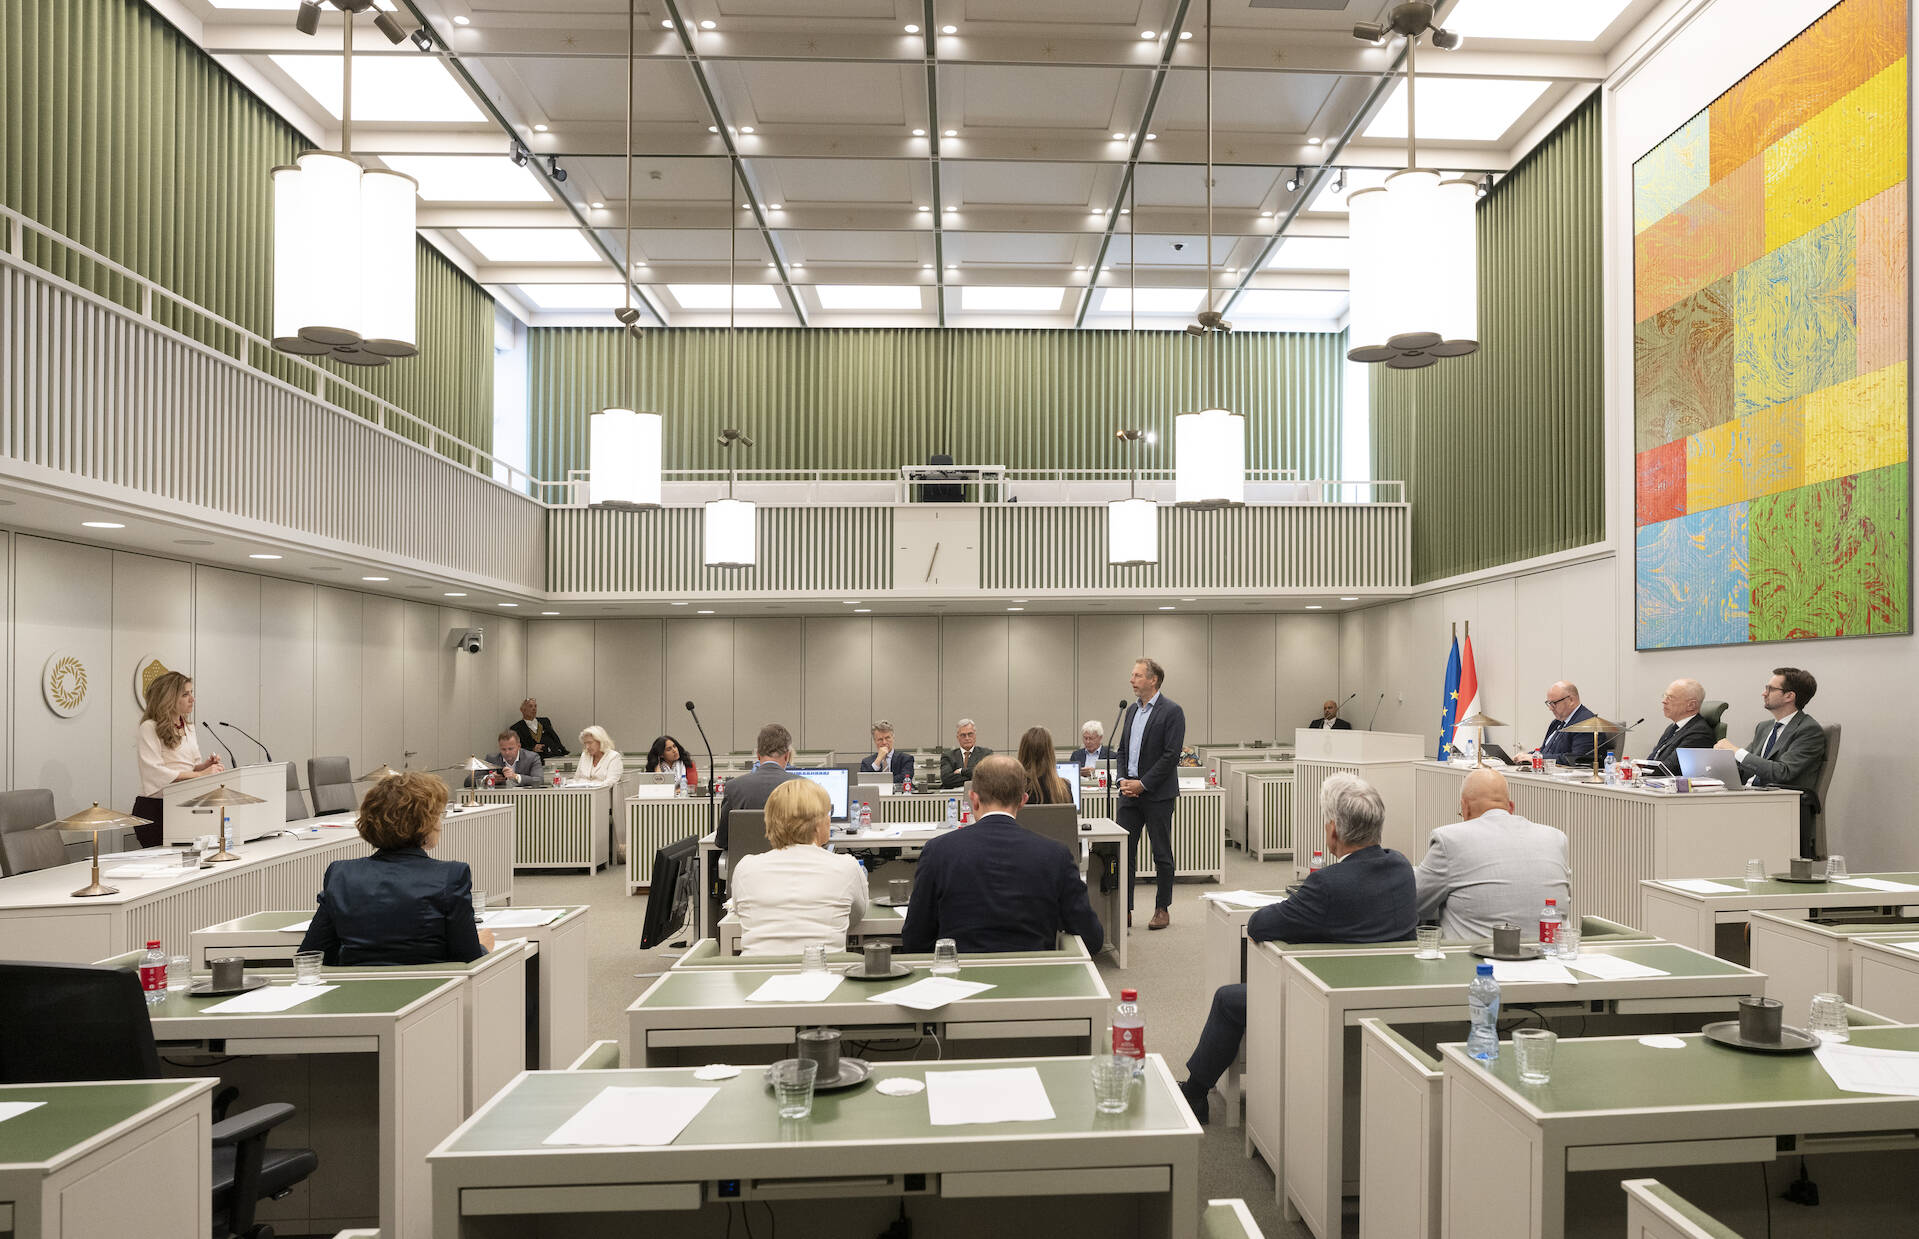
[{"x": 1491, "y": 867}]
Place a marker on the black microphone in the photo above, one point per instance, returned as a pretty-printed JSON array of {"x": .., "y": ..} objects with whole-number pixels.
[
  {"x": 709, "y": 752},
  {"x": 1342, "y": 705},
  {"x": 243, "y": 731},
  {"x": 703, "y": 901},
  {"x": 1376, "y": 705},
  {"x": 1119, "y": 721},
  {"x": 222, "y": 743}
]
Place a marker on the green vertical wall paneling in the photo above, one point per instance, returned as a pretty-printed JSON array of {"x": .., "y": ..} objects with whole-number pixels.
[
  {"x": 124, "y": 136},
  {"x": 834, "y": 398},
  {"x": 1503, "y": 451}
]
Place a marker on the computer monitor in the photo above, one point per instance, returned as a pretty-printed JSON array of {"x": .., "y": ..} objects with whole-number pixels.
[
  {"x": 833, "y": 779},
  {"x": 1069, "y": 774}
]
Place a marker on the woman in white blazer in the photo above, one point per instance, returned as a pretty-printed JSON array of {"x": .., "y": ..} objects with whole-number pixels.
[
  {"x": 599, "y": 760},
  {"x": 799, "y": 894}
]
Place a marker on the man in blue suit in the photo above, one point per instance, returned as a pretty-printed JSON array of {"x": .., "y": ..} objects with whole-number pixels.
[
  {"x": 995, "y": 885},
  {"x": 1568, "y": 748},
  {"x": 1149, "y": 741},
  {"x": 885, "y": 757},
  {"x": 1369, "y": 896}
]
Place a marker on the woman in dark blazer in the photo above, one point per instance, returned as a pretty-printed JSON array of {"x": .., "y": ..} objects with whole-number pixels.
[{"x": 399, "y": 905}]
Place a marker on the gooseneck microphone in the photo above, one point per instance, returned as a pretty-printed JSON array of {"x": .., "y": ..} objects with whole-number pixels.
[
  {"x": 1376, "y": 705},
  {"x": 249, "y": 735},
  {"x": 1112, "y": 776}
]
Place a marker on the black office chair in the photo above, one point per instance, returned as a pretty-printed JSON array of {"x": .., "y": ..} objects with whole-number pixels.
[
  {"x": 945, "y": 491},
  {"x": 23, "y": 847},
  {"x": 330, "y": 781},
  {"x": 67, "y": 1022},
  {"x": 1058, "y": 822},
  {"x": 745, "y": 836}
]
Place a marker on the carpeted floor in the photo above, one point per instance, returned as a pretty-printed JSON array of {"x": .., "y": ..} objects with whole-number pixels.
[{"x": 1165, "y": 971}]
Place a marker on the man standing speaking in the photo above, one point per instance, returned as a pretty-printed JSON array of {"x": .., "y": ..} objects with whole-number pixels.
[{"x": 1149, "y": 742}]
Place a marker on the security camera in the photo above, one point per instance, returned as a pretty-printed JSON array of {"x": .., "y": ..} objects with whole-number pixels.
[
  {"x": 471, "y": 640},
  {"x": 1179, "y": 245}
]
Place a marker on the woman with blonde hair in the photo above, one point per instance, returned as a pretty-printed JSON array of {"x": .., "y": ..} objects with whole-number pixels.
[
  {"x": 399, "y": 905},
  {"x": 166, "y": 750},
  {"x": 599, "y": 760},
  {"x": 799, "y": 894},
  {"x": 1043, "y": 784}
]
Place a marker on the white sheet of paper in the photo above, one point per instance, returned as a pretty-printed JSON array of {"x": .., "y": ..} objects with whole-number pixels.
[
  {"x": 796, "y": 987},
  {"x": 125, "y": 872},
  {"x": 271, "y": 998},
  {"x": 932, "y": 993},
  {"x": 1508, "y": 970},
  {"x": 1612, "y": 968},
  {"x": 521, "y": 918},
  {"x": 1912, "y": 947},
  {"x": 884, "y": 910},
  {"x": 1863, "y": 1069},
  {"x": 9, "y": 1109},
  {"x": 625, "y": 1116},
  {"x": 1877, "y": 884},
  {"x": 1244, "y": 899},
  {"x": 1703, "y": 886},
  {"x": 298, "y": 927},
  {"x": 998, "y": 1095}
]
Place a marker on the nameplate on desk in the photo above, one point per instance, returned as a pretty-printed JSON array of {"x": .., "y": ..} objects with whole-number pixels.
[{"x": 1194, "y": 784}]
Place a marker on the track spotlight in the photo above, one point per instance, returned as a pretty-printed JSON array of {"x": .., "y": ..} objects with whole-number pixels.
[
  {"x": 519, "y": 155},
  {"x": 422, "y": 39},
  {"x": 1292, "y": 181},
  {"x": 1370, "y": 32},
  {"x": 554, "y": 170},
  {"x": 627, "y": 315},
  {"x": 1485, "y": 185},
  {"x": 391, "y": 29},
  {"x": 1339, "y": 181},
  {"x": 1446, "y": 40},
  {"x": 307, "y": 20}
]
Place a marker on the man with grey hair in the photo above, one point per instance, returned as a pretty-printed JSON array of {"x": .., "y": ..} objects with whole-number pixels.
[
  {"x": 1093, "y": 748},
  {"x": 1685, "y": 728},
  {"x": 885, "y": 758},
  {"x": 956, "y": 764},
  {"x": 1369, "y": 896}
]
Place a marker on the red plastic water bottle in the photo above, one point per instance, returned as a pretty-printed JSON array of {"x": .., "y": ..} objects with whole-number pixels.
[
  {"x": 153, "y": 974},
  {"x": 1129, "y": 1027}
]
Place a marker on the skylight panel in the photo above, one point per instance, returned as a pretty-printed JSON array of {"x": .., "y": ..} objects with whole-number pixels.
[
  {"x": 1289, "y": 303},
  {"x": 574, "y": 296},
  {"x": 470, "y": 178},
  {"x": 530, "y": 244},
  {"x": 1011, "y": 300},
  {"x": 1151, "y": 300},
  {"x": 1458, "y": 109},
  {"x": 1312, "y": 254},
  {"x": 1535, "y": 20},
  {"x": 713, "y": 296},
  {"x": 385, "y": 88},
  {"x": 868, "y": 297}
]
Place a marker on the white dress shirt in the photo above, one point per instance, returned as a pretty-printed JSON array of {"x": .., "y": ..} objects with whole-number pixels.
[
  {"x": 608, "y": 769},
  {"x": 160, "y": 765},
  {"x": 794, "y": 897}
]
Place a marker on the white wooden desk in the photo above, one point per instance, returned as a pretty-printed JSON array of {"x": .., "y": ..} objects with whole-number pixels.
[
  {"x": 1223, "y": 962},
  {"x": 1618, "y": 836},
  {"x": 705, "y": 953},
  {"x": 881, "y": 921},
  {"x": 846, "y": 1170},
  {"x": 377, "y": 1072},
  {"x": 1691, "y": 918},
  {"x": 125, "y": 1157},
  {"x": 1885, "y": 971},
  {"x": 1801, "y": 958},
  {"x": 40, "y": 918},
  {"x": 556, "y": 827}
]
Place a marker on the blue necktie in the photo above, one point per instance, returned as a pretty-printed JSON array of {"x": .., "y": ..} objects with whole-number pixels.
[{"x": 1772, "y": 739}]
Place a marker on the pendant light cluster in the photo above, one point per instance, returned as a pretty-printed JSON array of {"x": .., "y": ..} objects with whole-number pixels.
[
  {"x": 1209, "y": 447},
  {"x": 729, "y": 526},
  {"x": 624, "y": 445},
  {"x": 1415, "y": 281},
  {"x": 343, "y": 240}
]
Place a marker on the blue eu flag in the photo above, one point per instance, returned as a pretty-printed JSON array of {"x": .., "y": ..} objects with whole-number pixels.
[{"x": 1449, "y": 708}]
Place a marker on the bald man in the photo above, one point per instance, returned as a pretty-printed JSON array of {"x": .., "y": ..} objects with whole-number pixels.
[
  {"x": 1492, "y": 866},
  {"x": 1568, "y": 748},
  {"x": 1329, "y": 718},
  {"x": 1685, "y": 729}
]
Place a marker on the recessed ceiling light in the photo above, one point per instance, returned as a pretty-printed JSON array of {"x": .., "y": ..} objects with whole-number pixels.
[
  {"x": 598, "y": 206},
  {"x": 262, "y": 555},
  {"x": 1314, "y": 606},
  {"x": 926, "y": 266},
  {"x": 640, "y": 266},
  {"x": 774, "y": 206},
  {"x": 1079, "y": 268},
  {"x": 679, "y": 604},
  {"x": 462, "y": 20},
  {"x": 539, "y": 129},
  {"x": 453, "y": 595},
  {"x": 1119, "y": 137},
  {"x": 1265, "y": 214},
  {"x": 799, "y": 266},
  {"x": 952, "y": 266},
  {"x": 919, "y": 133},
  {"x": 952, "y": 210},
  {"x": 1099, "y": 210},
  {"x": 102, "y": 524},
  {"x": 375, "y": 578},
  {"x": 506, "y": 604},
  {"x": 951, "y": 133},
  {"x": 1312, "y": 141},
  {"x": 708, "y": 24},
  {"x": 924, "y": 208},
  {"x": 746, "y": 129},
  {"x": 1189, "y": 600},
  {"x": 1015, "y": 608},
  {"x": 666, "y": 24},
  {"x": 193, "y": 542},
  {"x": 704, "y": 613},
  {"x": 862, "y": 610},
  {"x": 912, "y": 29},
  {"x": 772, "y": 266},
  {"x": 1349, "y": 598},
  {"x": 1126, "y": 210},
  {"x": 549, "y": 613},
  {"x": 949, "y": 29},
  {"x": 1152, "y": 137},
  {"x": 850, "y": 602},
  {"x": 1185, "y": 34},
  {"x": 1169, "y": 608},
  {"x": 712, "y": 128},
  {"x": 1149, "y": 34}
]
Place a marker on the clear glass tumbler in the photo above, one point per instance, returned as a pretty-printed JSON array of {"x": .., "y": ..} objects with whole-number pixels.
[
  {"x": 1828, "y": 1019},
  {"x": 813, "y": 958},
  {"x": 1567, "y": 941},
  {"x": 179, "y": 972},
  {"x": 1112, "y": 1076},
  {"x": 306, "y": 968},
  {"x": 793, "y": 1086},
  {"x": 1428, "y": 936},
  {"x": 1534, "y": 1047},
  {"x": 479, "y": 906},
  {"x": 1755, "y": 870},
  {"x": 1836, "y": 867},
  {"x": 945, "y": 957}
]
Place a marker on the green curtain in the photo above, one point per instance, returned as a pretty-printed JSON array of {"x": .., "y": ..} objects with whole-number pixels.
[
  {"x": 1503, "y": 451},
  {"x": 124, "y": 136},
  {"x": 840, "y": 398}
]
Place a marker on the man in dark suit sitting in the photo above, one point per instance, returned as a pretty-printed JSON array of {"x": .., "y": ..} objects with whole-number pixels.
[
  {"x": 885, "y": 757},
  {"x": 956, "y": 764},
  {"x": 772, "y": 754},
  {"x": 1329, "y": 718},
  {"x": 1685, "y": 729},
  {"x": 1790, "y": 750},
  {"x": 518, "y": 767},
  {"x": 1369, "y": 896},
  {"x": 537, "y": 734},
  {"x": 1568, "y": 748},
  {"x": 995, "y": 885},
  {"x": 1149, "y": 741}
]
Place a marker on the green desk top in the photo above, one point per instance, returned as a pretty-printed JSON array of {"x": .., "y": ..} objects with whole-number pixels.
[
  {"x": 1820, "y": 890},
  {"x": 1618, "y": 1073},
  {"x": 371, "y": 996},
  {"x": 728, "y": 987},
  {"x": 1220, "y": 1220},
  {"x": 1692, "y": 1212},
  {"x": 534, "y": 1106},
  {"x": 75, "y": 1113},
  {"x": 783, "y": 963},
  {"x": 257, "y": 921},
  {"x": 1394, "y": 969}
]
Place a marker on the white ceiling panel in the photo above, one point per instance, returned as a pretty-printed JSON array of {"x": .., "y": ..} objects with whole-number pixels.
[
  {"x": 1028, "y": 184},
  {"x": 1289, "y": 303},
  {"x": 1003, "y": 300},
  {"x": 1457, "y": 109},
  {"x": 1238, "y": 188},
  {"x": 881, "y": 248},
  {"x": 530, "y": 244},
  {"x": 579, "y": 89},
  {"x": 863, "y": 181},
  {"x": 574, "y": 296},
  {"x": 1130, "y": 14},
  {"x": 666, "y": 245},
  {"x": 1256, "y": 102},
  {"x": 658, "y": 179},
  {"x": 470, "y": 178},
  {"x": 1014, "y": 248},
  {"x": 1312, "y": 254},
  {"x": 798, "y": 92},
  {"x": 1028, "y": 97}
]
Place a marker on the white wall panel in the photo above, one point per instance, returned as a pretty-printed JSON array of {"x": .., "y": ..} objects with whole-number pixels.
[
  {"x": 461, "y": 736},
  {"x": 767, "y": 678},
  {"x": 502, "y": 679},
  {"x": 425, "y": 650},
  {"x": 906, "y": 662},
  {"x": 337, "y": 663},
  {"x": 1242, "y": 677},
  {"x": 1041, "y": 674},
  {"x": 1182, "y": 644},
  {"x": 1307, "y": 653},
  {"x": 152, "y": 618},
  {"x": 226, "y": 659},
  {"x": 838, "y": 688},
  {"x": 629, "y": 680},
  {"x": 1108, "y": 644},
  {"x": 286, "y": 671},
  {"x": 699, "y": 668},
  {"x": 383, "y": 682},
  {"x": 973, "y": 678},
  {"x": 63, "y": 600},
  {"x": 559, "y": 675}
]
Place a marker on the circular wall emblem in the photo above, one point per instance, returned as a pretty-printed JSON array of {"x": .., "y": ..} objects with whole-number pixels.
[
  {"x": 65, "y": 683},
  {"x": 146, "y": 670}
]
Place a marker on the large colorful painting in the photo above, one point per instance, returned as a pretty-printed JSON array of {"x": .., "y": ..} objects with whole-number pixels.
[{"x": 1770, "y": 406}]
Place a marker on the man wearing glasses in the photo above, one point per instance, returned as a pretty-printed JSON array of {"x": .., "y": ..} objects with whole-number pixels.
[
  {"x": 1568, "y": 748},
  {"x": 1789, "y": 750}
]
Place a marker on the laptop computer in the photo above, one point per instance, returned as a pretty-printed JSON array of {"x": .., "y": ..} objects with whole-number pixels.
[
  {"x": 1710, "y": 764},
  {"x": 659, "y": 776}
]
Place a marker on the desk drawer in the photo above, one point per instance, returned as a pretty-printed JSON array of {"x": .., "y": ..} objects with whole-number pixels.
[{"x": 1100, "y": 1181}]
